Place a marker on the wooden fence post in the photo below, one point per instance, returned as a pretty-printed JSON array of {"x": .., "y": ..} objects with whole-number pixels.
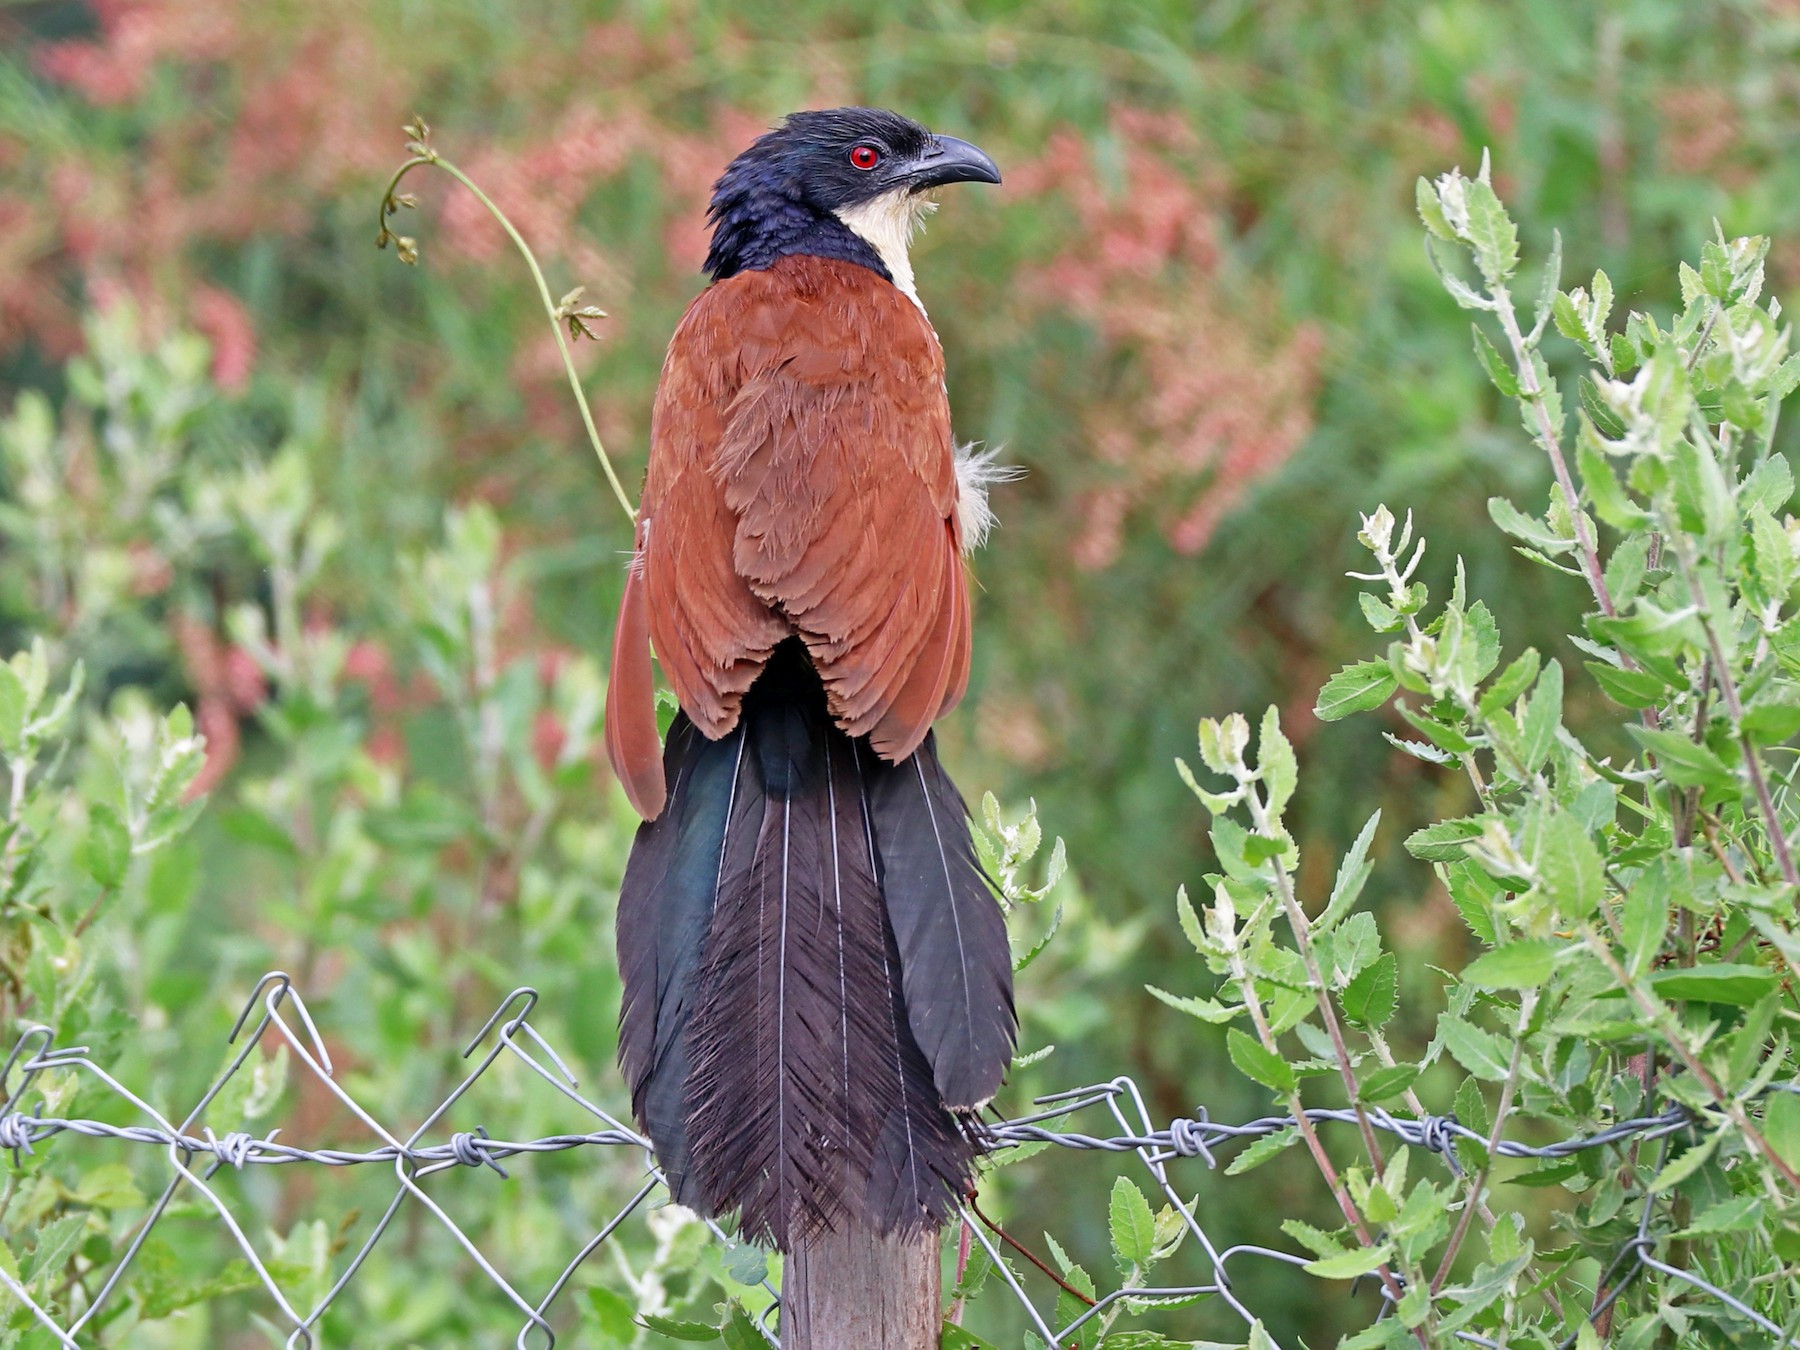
[{"x": 854, "y": 1290}]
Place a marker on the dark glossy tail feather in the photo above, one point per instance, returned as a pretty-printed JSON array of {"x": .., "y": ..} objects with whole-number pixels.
[
  {"x": 952, "y": 938},
  {"x": 665, "y": 908},
  {"x": 769, "y": 1028}
]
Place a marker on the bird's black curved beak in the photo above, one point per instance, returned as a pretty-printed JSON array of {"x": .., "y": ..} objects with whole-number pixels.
[{"x": 949, "y": 160}]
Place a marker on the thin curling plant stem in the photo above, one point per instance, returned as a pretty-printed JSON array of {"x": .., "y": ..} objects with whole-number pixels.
[{"x": 424, "y": 154}]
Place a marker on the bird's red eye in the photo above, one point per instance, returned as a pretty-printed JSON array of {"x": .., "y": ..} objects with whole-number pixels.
[{"x": 865, "y": 157}]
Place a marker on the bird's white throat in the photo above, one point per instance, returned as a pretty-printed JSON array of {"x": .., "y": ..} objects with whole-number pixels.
[{"x": 887, "y": 224}]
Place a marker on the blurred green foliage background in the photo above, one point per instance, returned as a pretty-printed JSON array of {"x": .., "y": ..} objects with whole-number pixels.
[{"x": 343, "y": 508}]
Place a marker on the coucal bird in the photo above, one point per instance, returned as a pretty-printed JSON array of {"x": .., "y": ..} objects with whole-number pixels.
[{"x": 818, "y": 986}]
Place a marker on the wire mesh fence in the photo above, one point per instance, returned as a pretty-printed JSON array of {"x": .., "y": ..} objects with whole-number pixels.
[{"x": 197, "y": 1153}]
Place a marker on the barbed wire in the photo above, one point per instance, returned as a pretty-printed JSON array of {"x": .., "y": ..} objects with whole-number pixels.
[{"x": 196, "y": 1153}]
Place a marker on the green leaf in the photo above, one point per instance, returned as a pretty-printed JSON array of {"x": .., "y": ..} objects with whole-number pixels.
[
  {"x": 1351, "y": 1264},
  {"x": 1206, "y": 1009},
  {"x": 1628, "y": 688},
  {"x": 1275, "y": 760},
  {"x": 1443, "y": 842},
  {"x": 1490, "y": 232},
  {"x": 1740, "y": 1214},
  {"x": 1356, "y": 688},
  {"x": 1569, "y": 867},
  {"x": 109, "y": 1186},
  {"x": 108, "y": 852},
  {"x": 1772, "y": 555},
  {"x": 1369, "y": 999},
  {"x": 1353, "y": 872},
  {"x": 1505, "y": 379},
  {"x": 1690, "y": 1161},
  {"x": 1258, "y": 1064},
  {"x": 1644, "y": 918},
  {"x": 679, "y": 1330},
  {"x": 1772, "y": 720},
  {"x": 745, "y": 1262},
  {"x": 57, "y": 1241},
  {"x": 1132, "y": 1226},
  {"x": 1262, "y": 1150},
  {"x": 1381, "y": 616},
  {"x": 740, "y": 1331},
  {"x": 1512, "y": 682},
  {"x": 255, "y": 827},
  {"x": 1781, "y": 1126},
  {"x": 1611, "y": 502},
  {"x": 1602, "y": 420},
  {"x": 13, "y": 705},
  {"x": 1702, "y": 498},
  {"x": 1387, "y": 1083},
  {"x": 1533, "y": 531},
  {"x": 1770, "y": 485},
  {"x": 1543, "y": 715},
  {"x": 1430, "y": 212},
  {"x": 1735, "y": 985},
  {"x": 613, "y": 1314},
  {"x": 1684, "y": 763},
  {"x": 1190, "y": 923},
  {"x": 1480, "y": 1052},
  {"x": 1518, "y": 965}
]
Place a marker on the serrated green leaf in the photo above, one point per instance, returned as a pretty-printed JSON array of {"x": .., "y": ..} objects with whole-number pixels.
[
  {"x": 14, "y": 704},
  {"x": 1443, "y": 842},
  {"x": 1258, "y": 1064},
  {"x": 1543, "y": 715},
  {"x": 1628, "y": 688},
  {"x": 740, "y": 1331},
  {"x": 1569, "y": 867},
  {"x": 1262, "y": 1150},
  {"x": 1772, "y": 555},
  {"x": 1131, "y": 1225},
  {"x": 1352, "y": 874},
  {"x": 1370, "y": 999},
  {"x": 1490, "y": 232},
  {"x": 1772, "y": 720},
  {"x": 612, "y": 1314},
  {"x": 1612, "y": 503},
  {"x": 1683, "y": 762},
  {"x": 677, "y": 1329},
  {"x": 1533, "y": 531},
  {"x": 1683, "y": 1167},
  {"x": 1644, "y": 918},
  {"x": 1512, "y": 682},
  {"x": 1351, "y": 1264},
  {"x": 1735, "y": 985},
  {"x": 1781, "y": 1126},
  {"x": 1206, "y": 1009},
  {"x": 1386, "y": 1083},
  {"x": 1190, "y": 923},
  {"x": 1426, "y": 199},
  {"x": 1518, "y": 965},
  {"x": 1275, "y": 760},
  {"x": 1356, "y": 688},
  {"x": 1482, "y": 1053},
  {"x": 1505, "y": 379},
  {"x": 1739, "y": 1214},
  {"x": 108, "y": 851}
]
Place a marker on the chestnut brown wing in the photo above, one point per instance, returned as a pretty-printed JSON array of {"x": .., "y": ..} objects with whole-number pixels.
[{"x": 801, "y": 481}]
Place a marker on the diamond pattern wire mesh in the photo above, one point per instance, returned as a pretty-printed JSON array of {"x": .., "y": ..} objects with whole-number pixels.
[{"x": 196, "y": 1155}]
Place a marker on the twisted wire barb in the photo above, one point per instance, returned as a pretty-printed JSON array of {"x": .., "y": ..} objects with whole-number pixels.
[{"x": 196, "y": 1153}]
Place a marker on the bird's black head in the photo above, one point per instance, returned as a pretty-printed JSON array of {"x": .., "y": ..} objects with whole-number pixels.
[{"x": 842, "y": 183}]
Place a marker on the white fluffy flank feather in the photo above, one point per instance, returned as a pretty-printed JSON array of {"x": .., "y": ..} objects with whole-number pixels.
[
  {"x": 887, "y": 224},
  {"x": 977, "y": 471}
]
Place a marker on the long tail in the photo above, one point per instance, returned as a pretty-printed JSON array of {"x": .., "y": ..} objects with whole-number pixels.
[{"x": 817, "y": 977}]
